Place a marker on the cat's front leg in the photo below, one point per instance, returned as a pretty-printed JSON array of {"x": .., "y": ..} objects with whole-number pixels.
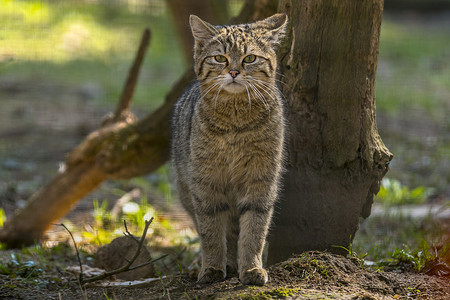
[
  {"x": 211, "y": 213},
  {"x": 255, "y": 213}
]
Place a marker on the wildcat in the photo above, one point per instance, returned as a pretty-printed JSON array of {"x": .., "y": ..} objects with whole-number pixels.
[{"x": 227, "y": 145}]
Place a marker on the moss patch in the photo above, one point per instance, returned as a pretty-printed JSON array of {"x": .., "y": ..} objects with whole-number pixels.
[{"x": 278, "y": 293}]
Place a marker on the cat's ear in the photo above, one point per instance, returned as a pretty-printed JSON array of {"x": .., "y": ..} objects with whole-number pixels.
[
  {"x": 201, "y": 30},
  {"x": 274, "y": 27}
]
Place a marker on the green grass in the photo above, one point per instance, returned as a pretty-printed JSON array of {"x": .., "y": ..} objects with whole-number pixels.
[
  {"x": 380, "y": 236},
  {"x": 73, "y": 43},
  {"x": 392, "y": 192},
  {"x": 414, "y": 69},
  {"x": 34, "y": 263}
]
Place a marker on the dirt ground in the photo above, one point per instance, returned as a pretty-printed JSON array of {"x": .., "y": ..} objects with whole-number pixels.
[{"x": 313, "y": 275}]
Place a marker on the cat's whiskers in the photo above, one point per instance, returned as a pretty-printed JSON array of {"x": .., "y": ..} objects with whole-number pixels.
[
  {"x": 266, "y": 89},
  {"x": 249, "y": 100},
  {"x": 262, "y": 98},
  {"x": 280, "y": 74},
  {"x": 282, "y": 77},
  {"x": 209, "y": 89},
  {"x": 280, "y": 81},
  {"x": 217, "y": 95},
  {"x": 259, "y": 95},
  {"x": 265, "y": 86},
  {"x": 273, "y": 88}
]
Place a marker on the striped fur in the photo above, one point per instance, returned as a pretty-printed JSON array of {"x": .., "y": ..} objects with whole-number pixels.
[{"x": 227, "y": 145}]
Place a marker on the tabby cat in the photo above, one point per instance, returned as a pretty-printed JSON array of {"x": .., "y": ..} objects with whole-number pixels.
[{"x": 227, "y": 145}]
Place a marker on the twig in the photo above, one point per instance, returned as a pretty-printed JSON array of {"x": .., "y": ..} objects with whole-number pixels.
[
  {"x": 126, "y": 267},
  {"x": 133, "y": 74},
  {"x": 80, "y": 277},
  {"x": 128, "y": 234},
  {"x": 148, "y": 262}
]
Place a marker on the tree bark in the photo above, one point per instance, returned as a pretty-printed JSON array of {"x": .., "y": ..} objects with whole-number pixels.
[
  {"x": 335, "y": 157},
  {"x": 254, "y": 10},
  {"x": 181, "y": 10}
]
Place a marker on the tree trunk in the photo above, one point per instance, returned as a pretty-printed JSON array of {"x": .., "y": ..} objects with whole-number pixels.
[
  {"x": 182, "y": 9},
  {"x": 335, "y": 157}
]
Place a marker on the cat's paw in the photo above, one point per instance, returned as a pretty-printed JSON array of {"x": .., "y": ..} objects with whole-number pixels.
[
  {"x": 255, "y": 276},
  {"x": 209, "y": 275}
]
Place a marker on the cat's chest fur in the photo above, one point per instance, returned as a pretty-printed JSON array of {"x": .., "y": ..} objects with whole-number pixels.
[
  {"x": 229, "y": 135},
  {"x": 232, "y": 117}
]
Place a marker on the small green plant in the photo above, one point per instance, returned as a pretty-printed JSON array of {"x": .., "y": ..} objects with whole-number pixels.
[
  {"x": 404, "y": 258},
  {"x": 320, "y": 268},
  {"x": 358, "y": 259},
  {"x": 392, "y": 192},
  {"x": 18, "y": 268},
  {"x": 101, "y": 214},
  {"x": 414, "y": 290}
]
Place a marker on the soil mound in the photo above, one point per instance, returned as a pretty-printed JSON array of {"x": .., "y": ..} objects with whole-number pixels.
[{"x": 311, "y": 275}]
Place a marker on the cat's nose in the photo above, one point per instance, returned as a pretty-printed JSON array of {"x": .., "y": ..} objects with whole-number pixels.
[{"x": 234, "y": 73}]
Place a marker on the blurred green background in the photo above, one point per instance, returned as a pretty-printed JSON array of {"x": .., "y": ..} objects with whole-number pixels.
[{"x": 63, "y": 65}]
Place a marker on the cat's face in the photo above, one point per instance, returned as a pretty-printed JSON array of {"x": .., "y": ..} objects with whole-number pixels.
[{"x": 238, "y": 58}]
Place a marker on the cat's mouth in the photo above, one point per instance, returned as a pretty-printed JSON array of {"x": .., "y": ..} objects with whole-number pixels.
[{"x": 234, "y": 87}]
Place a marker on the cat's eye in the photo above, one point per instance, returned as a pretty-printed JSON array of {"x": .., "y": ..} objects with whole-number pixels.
[
  {"x": 249, "y": 58},
  {"x": 220, "y": 58}
]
